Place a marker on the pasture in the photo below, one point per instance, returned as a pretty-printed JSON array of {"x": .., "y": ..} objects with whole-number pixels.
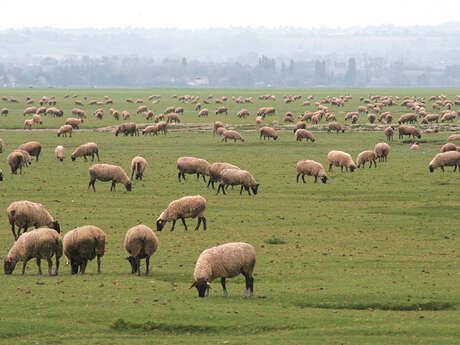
[{"x": 370, "y": 257}]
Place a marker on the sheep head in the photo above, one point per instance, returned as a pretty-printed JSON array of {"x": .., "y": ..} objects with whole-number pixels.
[
  {"x": 202, "y": 286},
  {"x": 255, "y": 188},
  {"x": 324, "y": 179},
  {"x": 160, "y": 224},
  {"x": 8, "y": 266},
  {"x": 55, "y": 225},
  {"x": 133, "y": 262}
]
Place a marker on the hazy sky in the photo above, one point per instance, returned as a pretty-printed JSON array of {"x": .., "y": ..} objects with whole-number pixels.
[{"x": 215, "y": 13}]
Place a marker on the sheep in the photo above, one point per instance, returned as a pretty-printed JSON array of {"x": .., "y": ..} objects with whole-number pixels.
[
  {"x": 108, "y": 172},
  {"x": 162, "y": 126},
  {"x": 186, "y": 207},
  {"x": 28, "y": 123},
  {"x": 63, "y": 130},
  {"x": 138, "y": 165},
  {"x": 450, "y": 158},
  {"x": 37, "y": 119},
  {"x": 304, "y": 134},
  {"x": 127, "y": 128},
  {"x": 215, "y": 171},
  {"x": 173, "y": 117},
  {"x": 2, "y": 145},
  {"x": 235, "y": 177},
  {"x": 225, "y": 261},
  {"x": 371, "y": 118},
  {"x": 382, "y": 150},
  {"x": 150, "y": 129},
  {"x": 300, "y": 125},
  {"x": 408, "y": 130},
  {"x": 26, "y": 157},
  {"x": 340, "y": 159},
  {"x": 414, "y": 146},
  {"x": 86, "y": 150},
  {"x": 311, "y": 168},
  {"x": 30, "y": 110},
  {"x": 42, "y": 243},
  {"x": 141, "y": 243},
  {"x": 454, "y": 137},
  {"x": 26, "y": 213},
  {"x": 335, "y": 126},
  {"x": 449, "y": 147},
  {"x": 230, "y": 134},
  {"x": 74, "y": 122},
  {"x": 82, "y": 244},
  {"x": 141, "y": 109},
  {"x": 4, "y": 111},
  {"x": 430, "y": 118},
  {"x": 203, "y": 112},
  {"x": 389, "y": 133},
  {"x": 243, "y": 113},
  {"x": 192, "y": 165},
  {"x": 33, "y": 148},
  {"x": 367, "y": 156},
  {"x": 16, "y": 161},
  {"x": 408, "y": 118},
  {"x": 60, "y": 152},
  {"x": 158, "y": 117},
  {"x": 221, "y": 110},
  {"x": 268, "y": 132}
]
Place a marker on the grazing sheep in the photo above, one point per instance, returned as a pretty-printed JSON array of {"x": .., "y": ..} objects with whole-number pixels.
[
  {"x": 60, "y": 153},
  {"x": 2, "y": 145},
  {"x": 186, "y": 207},
  {"x": 4, "y": 111},
  {"x": 173, "y": 117},
  {"x": 236, "y": 177},
  {"x": 30, "y": 110},
  {"x": 382, "y": 150},
  {"x": 408, "y": 118},
  {"x": 335, "y": 126},
  {"x": 389, "y": 133},
  {"x": 408, "y": 130},
  {"x": 33, "y": 148},
  {"x": 430, "y": 118},
  {"x": 153, "y": 129},
  {"x": 26, "y": 213},
  {"x": 141, "y": 109},
  {"x": 300, "y": 125},
  {"x": 304, "y": 134},
  {"x": 162, "y": 126},
  {"x": 243, "y": 113},
  {"x": 127, "y": 128},
  {"x": 215, "y": 171},
  {"x": 311, "y": 168},
  {"x": 108, "y": 172},
  {"x": 42, "y": 243},
  {"x": 203, "y": 112},
  {"x": 37, "y": 119},
  {"x": 74, "y": 122},
  {"x": 158, "y": 117},
  {"x": 16, "y": 161},
  {"x": 216, "y": 126},
  {"x": 138, "y": 165},
  {"x": 225, "y": 261},
  {"x": 340, "y": 159},
  {"x": 28, "y": 123},
  {"x": 448, "y": 147},
  {"x": 86, "y": 150},
  {"x": 63, "y": 130},
  {"x": 82, "y": 244},
  {"x": 268, "y": 132},
  {"x": 230, "y": 134},
  {"x": 141, "y": 243},
  {"x": 221, "y": 110},
  {"x": 450, "y": 158},
  {"x": 454, "y": 137},
  {"x": 371, "y": 118},
  {"x": 192, "y": 165},
  {"x": 367, "y": 156}
]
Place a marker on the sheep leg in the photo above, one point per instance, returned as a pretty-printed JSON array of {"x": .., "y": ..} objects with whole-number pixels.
[
  {"x": 330, "y": 167},
  {"x": 132, "y": 174},
  {"x": 204, "y": 178},
  {"x": 57, "y": 266},
  {"x": 84, "y": 156},
  {"x": 316, "y": 179},
  {"x": 297, "y": 179},
  {"x": 24, "y": 264},
  {"x": 178, "y": 176},
  {"x": 241, "y": 189},
  {"x": 91, "y": 183},
  {"x": 147, "y": 263},
  {"x": 248, "y": 189},
  {"x": 197, "y": 176},
  {"x": 303, "y": 179},
  {"x": 249, "y": 285},
  {"x": 39, "y": 266},
  {"x": 50, "y": 266},
  {"x": 173, "y": 225},
  {"x": 138, "y": 261},
  {"x": 14, "y": 232},
  {"x": 97, "y": 154},
  {"x": 442, "y": 168},
  {"x": 98, "y": 264},
  {"x": 83, "y": 266},
  {"x": 113, "y": 186},
  {"x": 370, "y": 164},
  {"x": 198, "y": 224},
  {"x": 222, "y": 281},
  {"x": 183, "y": 222},
  {"x": 204, "y": 223}
]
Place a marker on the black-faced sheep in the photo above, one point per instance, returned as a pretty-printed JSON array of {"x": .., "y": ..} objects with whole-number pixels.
[
  {"x": 310, "y": 168},
  {"x": 140, "y": 242},
  {"x": 236, "y": 177},
  {"x": 340, "y": 159},
  {"x": 108, "y": 172},
  {"x": 192, "y": 165},
  {"x": 186, "y": 207},
  {"x": 138, "y": 165},
  {"x": 450, "y": 158}
]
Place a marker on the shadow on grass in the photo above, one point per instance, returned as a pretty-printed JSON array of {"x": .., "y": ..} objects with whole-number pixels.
[
  {"x": 428, "y": 306},
  {"x": 275, "y": 240},
  {"x": 150, "y": 326}
]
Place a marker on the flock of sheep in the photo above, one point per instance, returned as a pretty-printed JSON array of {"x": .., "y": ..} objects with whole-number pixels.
[{"x": 88, "y": 242}]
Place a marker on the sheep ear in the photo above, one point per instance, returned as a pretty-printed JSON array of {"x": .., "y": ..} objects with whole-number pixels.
[{"x": 193, "y": 284}]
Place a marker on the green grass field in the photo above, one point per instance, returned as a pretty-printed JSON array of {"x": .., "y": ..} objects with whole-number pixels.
[{"x": 369, "y": 257}]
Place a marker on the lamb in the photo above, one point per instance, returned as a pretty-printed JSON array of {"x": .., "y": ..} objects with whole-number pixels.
[
  {"x": 60, "y": 153},
  {"x": 335, "y": 126},
  {"x": 186, "y": 207},
  {"x": 74, "y": 122},
  {"x": 389, "y": 133},
  {"x": 449, "y": 147},
  {"x": 382, "y": 150},
  {"x": 28, "y": 123},
  {"x": 367, "y": 156},
  {"x": 82, "y": 244},
  {"x": 304, "y": 134},
  {"x": 311, "y": 168},
  {"x": 230, "y": 134},
  {"x": 225, "y": 261},
  {"x": 192, "y": 165},
  {"x": 215, "y": 171},
  {"x": 108, "y": 172},
  {"x": 340, "y": 159},
  {"x": 268, "y": 132},
  {"x": 127, "y": 128},
  {"x": 42, "y": 243},
  {"x": 63, "y": 130},
  {"x": 153, "y": 129},
  {"x": 26, "y": 213},
  {"x": 86, "y": 150},
  {"x": 33, "y": 148},
  {"x": 138, "y": 165},
  {"x": 235, "y": 177},
  {"x": 408, "y": 130},
  {"x": 173, "y": 117},
  {"x": 141, "y": 243},
  {"x": 450, "y": 158}
]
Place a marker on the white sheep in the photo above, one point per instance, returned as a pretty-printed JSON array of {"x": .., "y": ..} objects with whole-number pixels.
[
  {"x": 140, "y": 242},
  {"x": 340, "y": 159},
  {"x": 16, "y": 161},
  {"x": 60, "y": 152},
  {"x": 449, "y": 147},
  {"x": 382, "y": 150},
  {"x": 449, "y": 158},
  {"x": 2, "y": 145},
  {"x": 33, "y": 148},
  {"x": 304, "y": 134},
  {"x": 268, "y": 132},
  {"x": 138, "y": 165},
  {"x": 225, "y": 261},
  {"x": 192, "y": 165},
  {"x": 42, "y": 243},
  {"x": 82, "y": 244},
  {"x": 236, "y": 177},
  {"x": 233, "y": 135},
  {"x": 311, "y": 168},
  {"x": 108, "y": 172},
  {"x": 88, "y": 149},
  {"x": 367, "y": 156},
  {"x": 64, "y": 130},
  {"x": 26, "y": 213},
  {"x": 186, "y": 207},
  {"x": 215, "y": 171}
]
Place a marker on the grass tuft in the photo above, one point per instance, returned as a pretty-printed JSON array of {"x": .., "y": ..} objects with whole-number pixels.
[
  {"x": 428, "y": 306},
  {"x": 275, "y": 240}
]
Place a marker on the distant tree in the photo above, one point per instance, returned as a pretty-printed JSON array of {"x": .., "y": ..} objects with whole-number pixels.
[{"x": 351, "y": 74}]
